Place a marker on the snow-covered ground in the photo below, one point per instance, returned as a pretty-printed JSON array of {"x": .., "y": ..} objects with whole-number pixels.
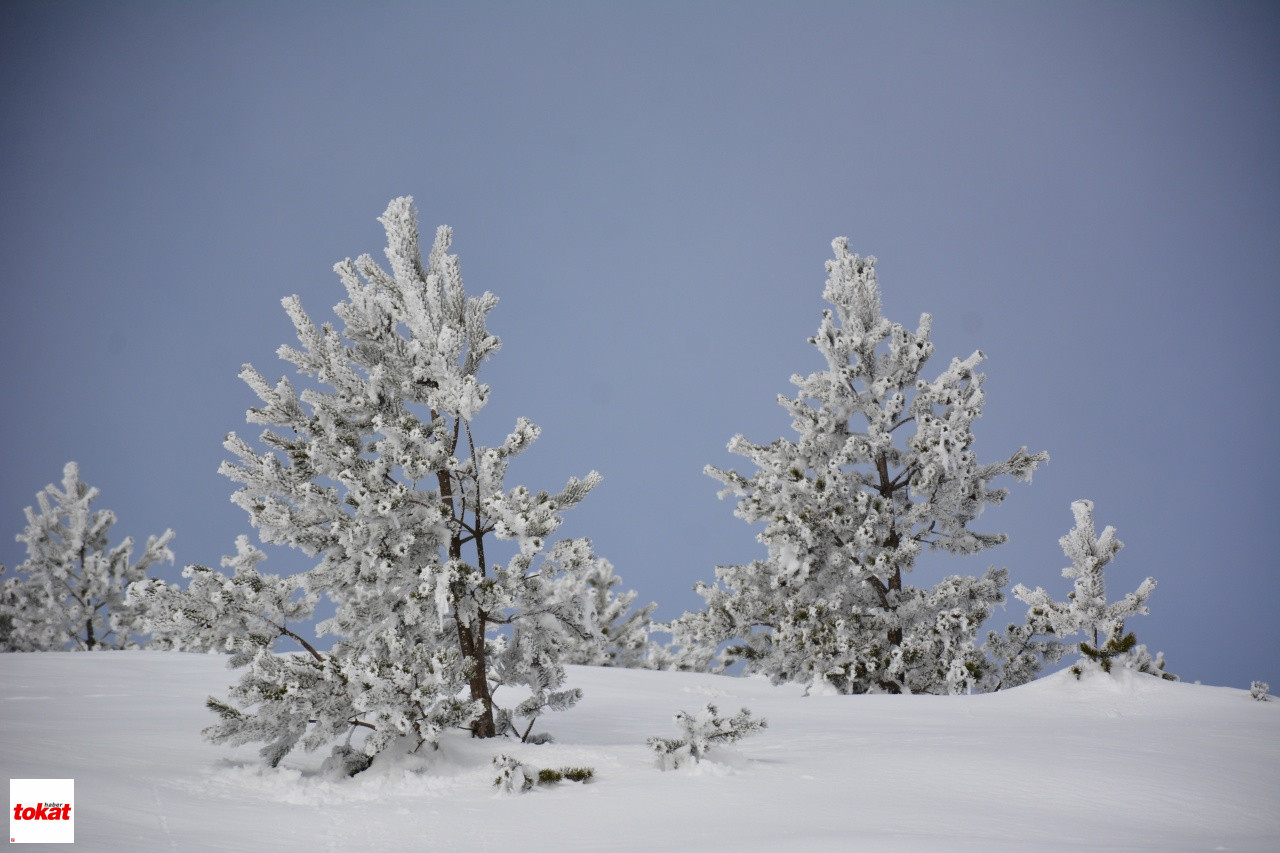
[{"x": 1108, "y": 763}]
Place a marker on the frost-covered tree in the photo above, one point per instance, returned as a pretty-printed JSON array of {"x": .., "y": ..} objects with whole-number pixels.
[
  {"x": 1086, "y": 609},
  {"x": 72, "y": 591},
  {"x": 240, "y": 614},
  {"x": 373, "y": 469},
  {"x": 8, "y": 601},
  {"x": 1020, "y": 653},
  {"x": 599, "y": 628},
  {"x": 882, "y": 468},
  {"x": 700, "y": 732}
]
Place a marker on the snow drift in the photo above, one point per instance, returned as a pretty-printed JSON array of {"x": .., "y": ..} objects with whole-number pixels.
[{"x": 1124, "y": 762}]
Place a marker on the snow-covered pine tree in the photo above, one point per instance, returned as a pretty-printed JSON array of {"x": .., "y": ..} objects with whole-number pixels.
[
  {"x": 599, "y": 629},
  {"x": 1086, "y": 609},
  {"x": 375, "y": 471},
  {"x": 1021, "y": 652},
  {"x": 700, "y": 732},
  {"x": 846, "y": 511},
  {"x": 240, "y": 614},
  {"x": 73, "y": 590}
]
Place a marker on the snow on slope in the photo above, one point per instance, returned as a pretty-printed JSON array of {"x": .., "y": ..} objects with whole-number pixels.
[{"x": 1108, "y": 763}]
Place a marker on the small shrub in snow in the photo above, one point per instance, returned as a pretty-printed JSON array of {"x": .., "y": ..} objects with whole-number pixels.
[
  {"x": 549, "y": 776},
  {"x": 554, "y": 775},
  {"x": 516, "y": 777},
  {"x": 700, "y": 732},
  {"x": 1258, "y": 690}
]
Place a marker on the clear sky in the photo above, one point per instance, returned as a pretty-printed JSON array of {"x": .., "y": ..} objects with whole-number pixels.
[{"x": 1088, "y": 192}]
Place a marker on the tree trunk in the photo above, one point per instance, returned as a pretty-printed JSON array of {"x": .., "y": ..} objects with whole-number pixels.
[
  {"x": 470, "y": 636},
  {"x": 895, "y": 585},
  {"x": 886, "y": 488},
  {"x": 471, "y": 643}
]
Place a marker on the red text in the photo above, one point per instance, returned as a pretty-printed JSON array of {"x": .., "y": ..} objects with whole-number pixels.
[{"x": 42, "y": 811}]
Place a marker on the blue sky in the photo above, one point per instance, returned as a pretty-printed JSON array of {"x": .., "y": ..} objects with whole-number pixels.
[{"x": 1088, "y": 192}]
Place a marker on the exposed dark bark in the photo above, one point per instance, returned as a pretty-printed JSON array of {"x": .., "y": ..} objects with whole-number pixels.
[
  {"x": 470, "y": 635},
  {"x": 285, "y": 632},
  {"x": 887, "y": 487},
  {"x": 471, "y": 643}
]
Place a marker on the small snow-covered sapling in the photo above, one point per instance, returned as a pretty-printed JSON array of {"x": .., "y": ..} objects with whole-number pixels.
[{"x": 700, "y": 732}]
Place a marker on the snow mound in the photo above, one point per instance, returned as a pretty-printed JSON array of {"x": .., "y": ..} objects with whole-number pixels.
[{"x": 1121, "y": 762}]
